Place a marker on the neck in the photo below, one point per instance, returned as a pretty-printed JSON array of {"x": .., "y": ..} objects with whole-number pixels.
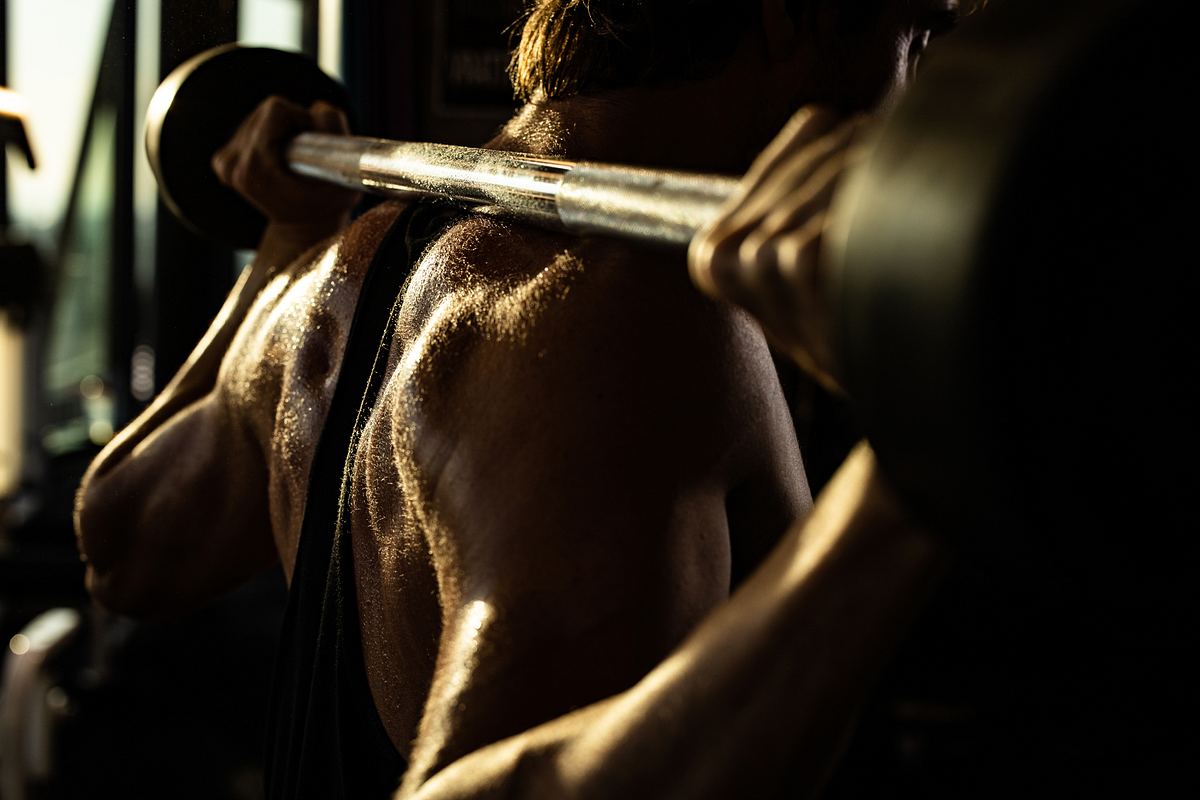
[{"x": 717, "y": 124}]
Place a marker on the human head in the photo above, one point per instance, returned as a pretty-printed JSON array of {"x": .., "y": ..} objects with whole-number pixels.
[{"x": 845, "y": 53}]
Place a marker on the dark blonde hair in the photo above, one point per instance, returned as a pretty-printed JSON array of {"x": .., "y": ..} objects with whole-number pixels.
[{"x": 570, "y": 47}]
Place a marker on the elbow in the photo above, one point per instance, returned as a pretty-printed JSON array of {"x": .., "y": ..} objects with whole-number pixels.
[
  {"x": 115, "y": 591},
  {"x": 131, "y": 589},
  {"x": 99, "y": 540},
  {"x": 115, "y": 576}
]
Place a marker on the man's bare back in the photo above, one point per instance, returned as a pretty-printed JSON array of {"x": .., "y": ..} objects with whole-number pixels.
[
  {"x": 573, "y": 459},
  {"x": 541, "y": 395}
]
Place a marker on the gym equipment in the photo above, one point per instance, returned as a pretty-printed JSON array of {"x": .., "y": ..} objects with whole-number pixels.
[
  {"x": 197, "y": 109},
  {"x": 199, "y": 106},
  {"x": 1012, "y": 323}
]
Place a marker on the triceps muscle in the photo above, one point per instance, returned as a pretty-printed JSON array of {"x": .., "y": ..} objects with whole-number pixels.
[{"x": 180, "y": 518}]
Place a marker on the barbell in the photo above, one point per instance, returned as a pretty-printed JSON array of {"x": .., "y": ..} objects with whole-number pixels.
[
  {"x": 981, "y": 248},
  {"x": 200, "y": 105}
]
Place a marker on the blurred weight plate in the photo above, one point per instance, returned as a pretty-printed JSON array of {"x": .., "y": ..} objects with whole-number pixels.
[{"x": 196, "y": 111}]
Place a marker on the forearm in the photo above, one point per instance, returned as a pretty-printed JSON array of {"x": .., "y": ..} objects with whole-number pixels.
[{"x": 762, "y": 695}]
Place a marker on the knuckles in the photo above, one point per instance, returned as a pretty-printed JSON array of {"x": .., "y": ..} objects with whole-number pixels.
[
  {"x": 757, "y": 254},
  {"x": 253, "y": 162},
  {"x": 763, "y": 252},
  {"x": 723, "y": 262},
  {"x": 798, "y": 258}
]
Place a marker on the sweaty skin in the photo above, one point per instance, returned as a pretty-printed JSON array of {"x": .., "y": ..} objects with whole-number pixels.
[
  {"x": 574, "y": 450},
  {"x": 576, "y": 464},
  {"x": 575, "y": 458}
]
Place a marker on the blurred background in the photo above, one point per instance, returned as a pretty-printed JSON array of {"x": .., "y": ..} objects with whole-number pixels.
[{"x": 102, "y": 295}]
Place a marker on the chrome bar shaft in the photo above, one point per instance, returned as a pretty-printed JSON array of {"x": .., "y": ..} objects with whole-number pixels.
[{"x": 652, "y": 206}]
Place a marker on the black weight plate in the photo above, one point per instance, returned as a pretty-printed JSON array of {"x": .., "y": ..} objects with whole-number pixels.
[
  {"x": 196, "y": 111},
  {"x": 1003, "y": 271}
]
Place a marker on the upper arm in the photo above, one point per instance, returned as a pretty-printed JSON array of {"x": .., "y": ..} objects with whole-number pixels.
[
  {"x": 175, "y": 509},
  {"x": 581, "y": 527},
  {"x": 180, "y": 517}
]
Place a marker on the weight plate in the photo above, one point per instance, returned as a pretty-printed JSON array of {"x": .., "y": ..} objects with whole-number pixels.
[{"x": 196, "y": 111}]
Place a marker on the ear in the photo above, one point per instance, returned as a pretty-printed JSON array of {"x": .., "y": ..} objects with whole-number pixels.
[{"x": 780, "y": 30}]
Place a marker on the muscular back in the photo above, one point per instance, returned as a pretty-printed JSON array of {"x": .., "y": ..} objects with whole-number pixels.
[
  {"x": 567, "y": 422},
  {"x": 573, "y": 457}
]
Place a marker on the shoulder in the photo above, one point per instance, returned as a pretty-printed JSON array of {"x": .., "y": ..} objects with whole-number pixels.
[
  {"x": 289, "y": 343},
  {"x": 584, "y": 339},
  {"x": 529, "y": 293}
]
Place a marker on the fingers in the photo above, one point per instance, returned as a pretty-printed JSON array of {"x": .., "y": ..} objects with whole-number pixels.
[
  {"x": 798, "y": 186},
  {"x": 257, "y": 144},
  {"x": 810, "y": 198},
  {"x": 328, "y": 118},
  {"x": 806, "y": 125},
  {"x": 763, "y": 252},
  {"x": 809, "y": 131},
  {"x": 253, "y": 163}
]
